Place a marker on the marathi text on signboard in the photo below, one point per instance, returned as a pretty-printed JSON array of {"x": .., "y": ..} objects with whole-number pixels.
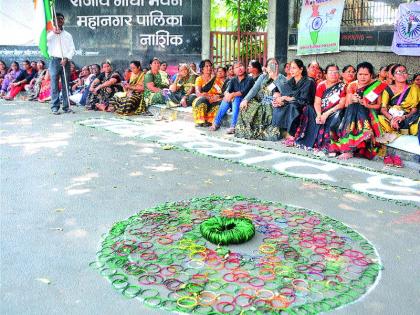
[{"x": 157, "y": 18}]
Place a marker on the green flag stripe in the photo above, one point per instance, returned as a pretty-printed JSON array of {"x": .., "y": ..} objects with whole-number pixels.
[{"x": 372, "y": 87}]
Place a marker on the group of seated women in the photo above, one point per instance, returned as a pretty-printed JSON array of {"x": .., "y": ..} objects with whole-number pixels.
[
  {"x": 32, "y": 76},
  {"x": 337, "y": 113}
]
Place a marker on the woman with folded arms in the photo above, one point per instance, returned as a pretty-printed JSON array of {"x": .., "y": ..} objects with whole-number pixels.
[
  {"x": 103, "y": 88},
  {"x": 293, "y": 96}
]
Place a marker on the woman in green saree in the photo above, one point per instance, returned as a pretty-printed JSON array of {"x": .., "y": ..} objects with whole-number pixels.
[
  {"x": 155, "y": 83},
  {"x": 181, "y": 92}
]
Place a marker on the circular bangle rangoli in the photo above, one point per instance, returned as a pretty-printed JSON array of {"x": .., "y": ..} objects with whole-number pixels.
[
  {"x": 227, "y": 230},
  {"x": 298, "y": 262}
]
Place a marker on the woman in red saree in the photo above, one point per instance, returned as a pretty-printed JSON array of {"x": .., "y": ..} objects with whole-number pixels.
[
  {"x": 360, "y": 125},
  {"x": 318, "y": 120}
]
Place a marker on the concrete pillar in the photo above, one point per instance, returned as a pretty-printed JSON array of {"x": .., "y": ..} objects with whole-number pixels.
[
  {"x": 278, "y": 19},
  {"x": 271, "y": 33},
  {"x": 205, "y": 32}
]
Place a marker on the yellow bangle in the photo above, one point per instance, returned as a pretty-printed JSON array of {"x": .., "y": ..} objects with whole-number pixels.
[
  {"x": 267, "y": 249},
  {"x": 187, "y": 302}
]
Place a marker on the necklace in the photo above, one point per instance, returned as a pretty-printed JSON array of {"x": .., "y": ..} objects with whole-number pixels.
[{"x": 397, "y": 90}]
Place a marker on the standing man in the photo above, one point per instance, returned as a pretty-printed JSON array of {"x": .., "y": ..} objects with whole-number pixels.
[{"x": 61, "y": 50}]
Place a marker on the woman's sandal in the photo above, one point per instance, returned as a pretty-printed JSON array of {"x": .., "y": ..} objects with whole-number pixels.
[
  {"x": 101, "y": 107},
  {"x": 231, "y": 131},
  {"x": 290, "y": 142},
  {"x": 397, "y": 162},
  {"x": 388, "y": 161},
  {"x": 345, "y": 156}
]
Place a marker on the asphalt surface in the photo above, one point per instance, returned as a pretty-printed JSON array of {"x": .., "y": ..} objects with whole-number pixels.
[{"x": 63, "y": 185}]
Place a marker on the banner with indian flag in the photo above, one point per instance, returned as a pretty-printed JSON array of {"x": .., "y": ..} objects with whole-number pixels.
[
  {"x": 43, "y": 23},
  {"x": 319, "y": 26}
]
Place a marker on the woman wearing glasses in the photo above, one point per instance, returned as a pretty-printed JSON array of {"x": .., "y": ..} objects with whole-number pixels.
[
  {"x": 399, "y": 104},
  {"x": 317, "y": 120},
  {"x": 256, "y": 108}
]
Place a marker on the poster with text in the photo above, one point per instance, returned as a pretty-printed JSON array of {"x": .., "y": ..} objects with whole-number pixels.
[
  {"x": 319, "y": 26},
  {"x": 407, "y": 30}
]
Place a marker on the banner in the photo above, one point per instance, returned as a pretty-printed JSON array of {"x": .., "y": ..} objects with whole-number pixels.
[
  {"x": 407, "y": 30},
  {"x": 319, "y": 26},
  {"x": 115, "y": 30}
]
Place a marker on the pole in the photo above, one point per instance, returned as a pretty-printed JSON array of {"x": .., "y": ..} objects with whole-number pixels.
[
  {"x": 62, "y": 56},
  {"x": 239, "y": 30}
]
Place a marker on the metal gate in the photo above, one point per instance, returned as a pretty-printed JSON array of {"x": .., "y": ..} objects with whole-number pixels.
[{"x": 225, "y": 49}]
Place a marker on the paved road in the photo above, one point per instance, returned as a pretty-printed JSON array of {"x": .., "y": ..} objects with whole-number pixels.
[{"x": 63, "y": 185}]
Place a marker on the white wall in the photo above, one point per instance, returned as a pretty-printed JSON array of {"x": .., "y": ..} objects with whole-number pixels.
[{"x": 16, "y": 22}]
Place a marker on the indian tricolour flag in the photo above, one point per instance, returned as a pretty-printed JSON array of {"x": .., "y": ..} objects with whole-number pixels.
[
  {"x": 373, "y": 91},
  {"x": 43, "y": 24}
]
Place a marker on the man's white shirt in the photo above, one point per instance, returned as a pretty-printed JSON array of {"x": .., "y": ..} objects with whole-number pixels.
[{"x": 67, "y": 51}]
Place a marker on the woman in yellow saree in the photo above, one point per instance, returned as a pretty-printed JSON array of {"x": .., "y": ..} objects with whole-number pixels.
[
  {"x": 131, "y": 100},
  {"x": 400, "y": 101},
  {"x": 209, "y": 91}
]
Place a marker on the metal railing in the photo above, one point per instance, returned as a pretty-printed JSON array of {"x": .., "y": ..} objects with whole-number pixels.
[{"x": 224, "y": 47}]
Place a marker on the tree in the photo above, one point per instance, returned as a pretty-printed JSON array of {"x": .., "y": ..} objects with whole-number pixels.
[
  {"x": 220, "y": 19},
  {"x": 253, "y": 14}
]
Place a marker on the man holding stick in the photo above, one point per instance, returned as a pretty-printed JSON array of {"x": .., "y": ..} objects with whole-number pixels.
[{"x": 61, "y": 50}]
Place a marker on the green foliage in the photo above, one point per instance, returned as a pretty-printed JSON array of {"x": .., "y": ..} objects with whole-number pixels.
[
  {"x": 224, "y": 15},
  {"x": 253, "y": 14},
  {"x": 252, "y": 50},
  {"x": 220, "y": 18}
]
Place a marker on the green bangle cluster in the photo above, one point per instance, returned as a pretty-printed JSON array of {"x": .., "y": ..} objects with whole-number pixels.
[
  {"x": 226, "y": 231},
  {"x": 307, "y": 263}
]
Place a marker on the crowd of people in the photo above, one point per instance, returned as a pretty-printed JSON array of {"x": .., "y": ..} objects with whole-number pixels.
[{"x": 344, "y": 113}]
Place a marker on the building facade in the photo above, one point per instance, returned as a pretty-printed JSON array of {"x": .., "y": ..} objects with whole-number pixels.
[{"x": 366, "y": 34}]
